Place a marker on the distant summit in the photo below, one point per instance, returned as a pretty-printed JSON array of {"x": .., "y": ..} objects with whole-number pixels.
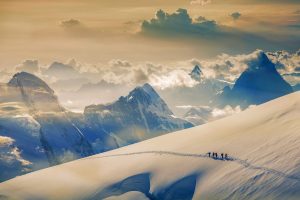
[
  {"x": 196, "y": 73},
  {"x": 25, "y": 79},
  {"x": 35, "y": 93},
  {"x": 259, "y": 83},
  {"x": 140, "y": 115}
]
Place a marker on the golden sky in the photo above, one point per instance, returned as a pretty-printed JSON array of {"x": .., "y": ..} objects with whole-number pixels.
[{"x": 100, "y": 30}]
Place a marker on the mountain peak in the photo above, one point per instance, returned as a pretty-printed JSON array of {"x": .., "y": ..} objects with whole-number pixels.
[
  {"x": 140, "y": 114},
  {"x": 259, "y": 83},
  {"x": 36, "y": 94},
  {"x": 25, "y": 79},
  {"x": 260, "y": 61},
  {"x": 146, "y": 89},
  {"x": 196, "y": 73}
]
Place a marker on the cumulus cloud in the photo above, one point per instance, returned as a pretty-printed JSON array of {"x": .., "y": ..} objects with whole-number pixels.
[
  {"x": 202, "y": 114},
  {"x": 287, "y": 64},
  {"x": 60, "y": 71},
  {"x": 119, "y": 63},
  {"x": 212, "y": 34},
  {"x": 10, "y": 154},
  {"x": 123, "y": 75},
  {"x": 218, "y": 113},
  {"x": 235, "y": 15},
  {"x": 179, "y": 22},
  {"x": 5, "y": 141},
  {"x": 227, "y": 67},
  {"x": 200, "y": 19},
  {"x": 200, "y": 2},
  {"x": 175, "y": 78},
  {"x": 70, "y": 23},
  {"x": 30, "y": 66}
]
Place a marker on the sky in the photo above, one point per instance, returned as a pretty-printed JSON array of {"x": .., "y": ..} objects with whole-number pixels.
[
  {"x": 112, "y": 46},
  {"x": 101, "y": 30}
]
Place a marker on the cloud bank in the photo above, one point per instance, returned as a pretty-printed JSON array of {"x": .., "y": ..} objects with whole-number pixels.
[
  {"x": 179, "y": 23},
  {"x": 104, "y": 82}
]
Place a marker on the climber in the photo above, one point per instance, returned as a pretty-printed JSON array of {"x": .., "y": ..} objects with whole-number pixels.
[{"x": 226, "y": 156}]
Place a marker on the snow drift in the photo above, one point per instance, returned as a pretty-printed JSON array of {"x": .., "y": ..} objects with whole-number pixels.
[{"x": 264, "y": 163}]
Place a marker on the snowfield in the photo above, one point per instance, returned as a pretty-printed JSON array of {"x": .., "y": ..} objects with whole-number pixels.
[{"x": 262, "y": 142}]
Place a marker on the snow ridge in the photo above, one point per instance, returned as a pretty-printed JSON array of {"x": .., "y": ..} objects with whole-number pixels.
[{"x": 244, "y": 163}]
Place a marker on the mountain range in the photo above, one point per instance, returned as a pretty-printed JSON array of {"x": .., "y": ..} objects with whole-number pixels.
[
  {"x": 258, "y": 84},
  {"x": 36, "y": 131},
  {"x": 261, "y": 143}
]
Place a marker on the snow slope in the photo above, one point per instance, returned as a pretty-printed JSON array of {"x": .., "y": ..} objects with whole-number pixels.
[{"x": 262, "y": 142}]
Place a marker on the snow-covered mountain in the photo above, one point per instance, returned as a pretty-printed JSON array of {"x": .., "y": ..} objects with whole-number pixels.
[
  {"x": 38, "y": 132},
  {"x": 263, "y": 162},
  {"x": 196, "y": 73},
  {"x": 259, "y": 83},
  {"x": 202, "y": 93},
  {"x": 140, "y": 115}
]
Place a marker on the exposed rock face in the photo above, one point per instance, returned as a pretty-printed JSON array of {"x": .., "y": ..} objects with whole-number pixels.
[
  {"x": 140, "y": 115},
  {"x": 35, "y": 93},
  {"x": 39, "y": 132},
  {"x": 196, "y": 73},
  {"x": 60, "y": 138},
  {"x": 259, "y": 83}
]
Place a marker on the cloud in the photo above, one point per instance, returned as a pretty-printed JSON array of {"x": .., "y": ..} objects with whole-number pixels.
[
  {"x": 200, "y": 2},
  {"x": 235, "y": 15},
  {"x": 10, "y": 154},
  {"x": 226, "y": 111},
  {"x": 228, "y": 67},
  {"x": 70, "y": 23},
  {"x": 140, "y": 76},
  {"x": 287, "y": 64},
  {"x": 119, "y": 63},
  {"x": 178, "y": 23},
  {"x": 106, "y": 81},
  {"x": 297, "y": 12},
  {"x": 6, "y": 141},
  {"x": 202, "y": 114},
  {"x": 58, "y": 70},
  {"x": 30, "y": 66},
  {"x": 181, "y": 28},
  {"x": 174, "y": 78},
  {"x": 201, "y": 19}
]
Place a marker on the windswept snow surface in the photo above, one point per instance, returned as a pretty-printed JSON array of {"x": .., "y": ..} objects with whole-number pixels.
[{"x": 262, "y": 142}]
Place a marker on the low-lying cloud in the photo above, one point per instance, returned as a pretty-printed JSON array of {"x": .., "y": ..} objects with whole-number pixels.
[{"x": 68, "y": 78}]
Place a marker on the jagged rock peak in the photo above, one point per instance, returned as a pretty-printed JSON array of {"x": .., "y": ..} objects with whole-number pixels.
[
  {"x": 196, "y": 73},
  {"x": 260, "y": 61}
]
